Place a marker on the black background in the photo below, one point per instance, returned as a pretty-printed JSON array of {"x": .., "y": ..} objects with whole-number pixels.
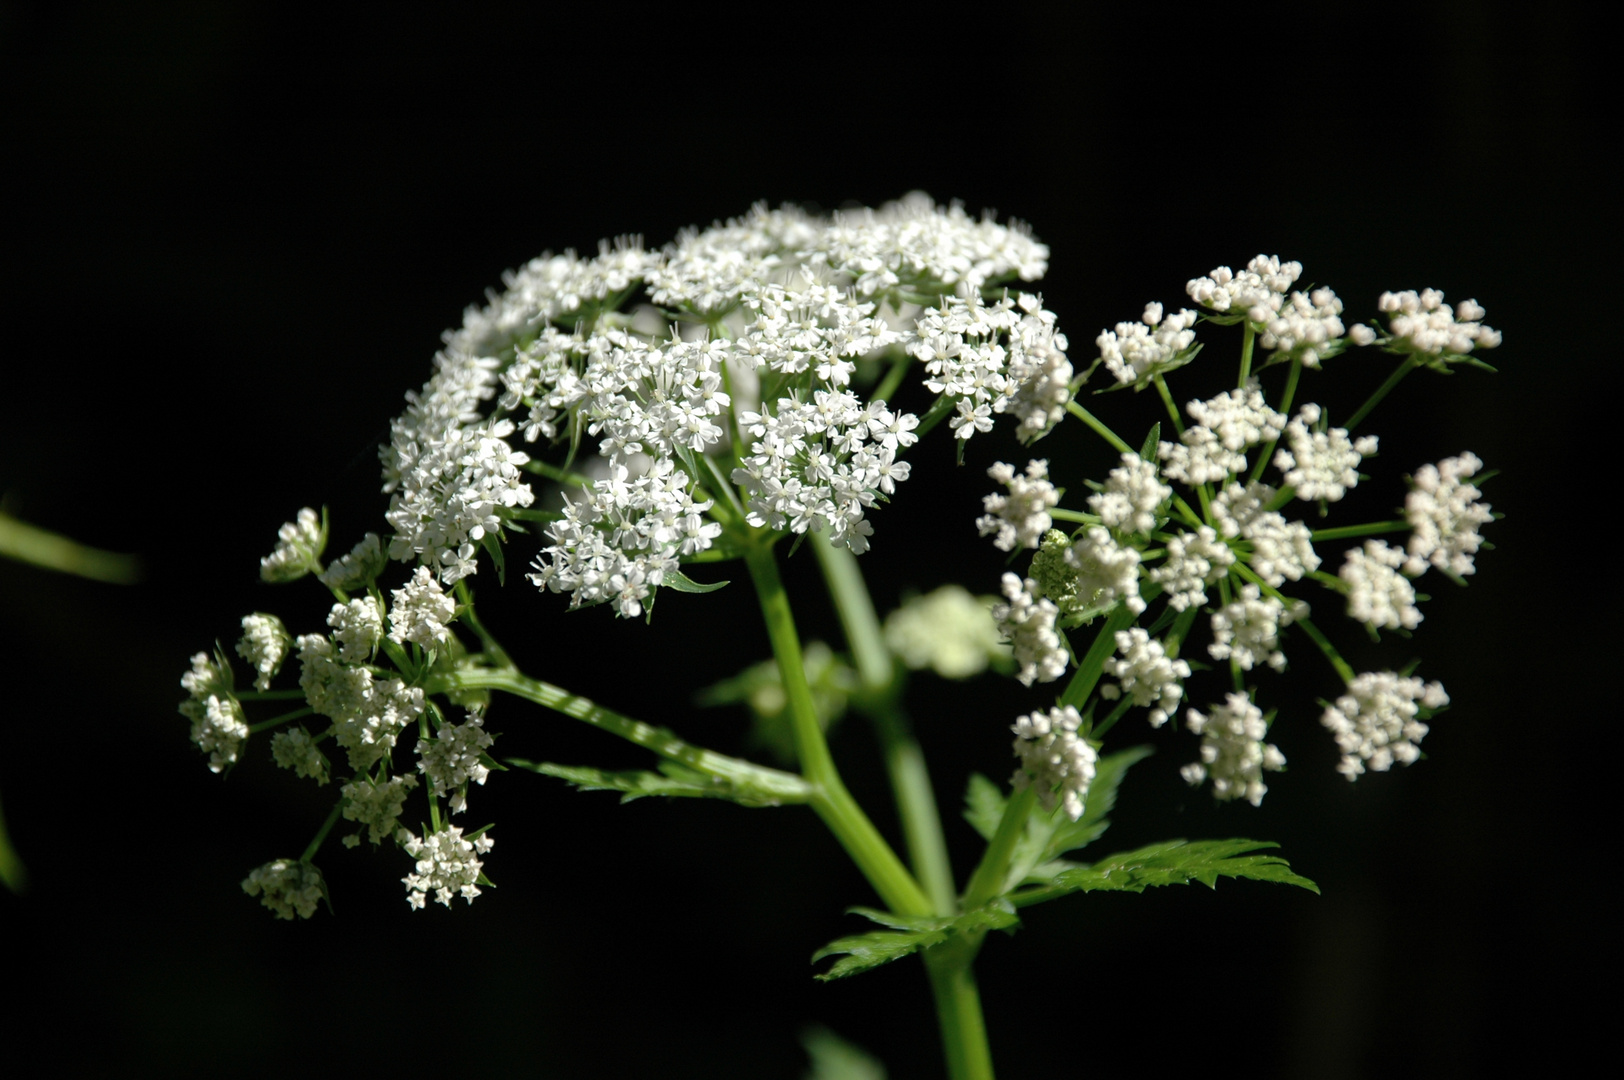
[{"x": 232, "y": 236}]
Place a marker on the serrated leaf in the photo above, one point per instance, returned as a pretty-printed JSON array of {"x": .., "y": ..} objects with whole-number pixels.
[
  {"x": 983, "y": 806},
  {"x": 637, "y": 784},
  {"x": 861, "y": 952},
  {"x": 676, "y": 579},
  {"x": 1102, "y": 795},
  {"x": 1172, "y": 862}
]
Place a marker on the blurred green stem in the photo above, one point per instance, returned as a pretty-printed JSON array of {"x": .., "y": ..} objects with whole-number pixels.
[{"x": 30, "y": 544}]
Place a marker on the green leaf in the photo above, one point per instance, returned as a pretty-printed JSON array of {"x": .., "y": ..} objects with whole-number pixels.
[
  {"x": 1148, "y": 451},
  {"x": 676, "y": 579},
  {"x": 494, "y": 546},
  {"x": 1172, "y": 862},
  {"x": 833, "y": 1058},
  {"x": 861, "y": 952},
  {"x": 983, "y": 805},
  {"x": 1102, "y": 795},
  {"x": 672, "y": 780}
]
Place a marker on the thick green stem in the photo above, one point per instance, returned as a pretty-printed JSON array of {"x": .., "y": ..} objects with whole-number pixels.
[
  {"x": 988, "y": 880},
  {"x": 1099, "y": 427},
  {"x": 904, "y": 759},
  {"x": 30, "y": 544},
  {"x": 829, "y": 797},
  {"x": 958, "y": 1007},
  {"x": 773, "y": 783}
]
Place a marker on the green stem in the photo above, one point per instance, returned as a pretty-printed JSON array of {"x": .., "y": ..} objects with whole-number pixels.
[
  {"x": 274, "y": 721},
  {"x": 829, "y": 797},
  {"x": 773, "y": 783},
  {"x": 988, "y": 880},
  {"x": 31, "y": 544},
  {"x": 1246, "y": 354},
  {"x": 1403, "y": 369},
  {"x": 321, "y": 834},
  {"x": 904, "y": 758},
  {"x": 1167, "y": 399},
  {"x": 13, "y": 874},
  {"x": 1078, "y": 516},
  {"x": 1370, "y": 528},
  {"x": 554, "y": 473},
  {"x": 1285, "y": 407},
  {"x": 1343, "y": 668},
  {"x": 1093, "y": 662},
  {"x": 958, "y": 1008},
  {"x": 893, "y": 378},
  {"x": 1099, "y": 427}
]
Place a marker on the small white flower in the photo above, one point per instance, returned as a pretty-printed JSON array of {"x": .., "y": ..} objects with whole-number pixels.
[
  {"x": 1131, "y": 497},
  {"x": 218, "y": 724},
  {"x": 1135, "y": 352},
  {"x": 359, "y": 568},
  {"x": 1107, "y": 572},
  {"x": 1320, "y": 464},
  {"x": 1020, "y": 518},
  {"x": 295, "y": 749},
  {"x": 357, "y": 628},
  {"x": 1256, "y": 292},
  {"x": 947, "y": 630},
  {"x": 1375, "y": 722},
  {"x": 297, "y": 544},
  {"x": 1194, "y": 561},
  {"x": 1422, "y": 324},
  {"x": 452, "y": 759},
  {"x": 1233, "y": 753},
  {"x": 1308, "y": 328},
  {"x": 1214, "y": 447},
  {"x": 1444, "y": 512},
  {"x": 1054, "y": 757},
  {"x": 376, "y": 806},
  {"x": 1281, "y": 550},
  {"x": 1247, "y": 630},
  {"x": 1148, "y": 675},
  {"x": 447, "y": 865},
  {"x": 286, "y": 887},
  {"x": 1378, "y": 595},
  {"x": 420, "y": 611},
  {"x": 264, "y": 645},
  {"x": 1027, "y": 621}
]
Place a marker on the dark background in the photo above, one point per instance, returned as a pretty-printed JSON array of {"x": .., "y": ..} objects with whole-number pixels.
[{"x": 232, "y": 235}]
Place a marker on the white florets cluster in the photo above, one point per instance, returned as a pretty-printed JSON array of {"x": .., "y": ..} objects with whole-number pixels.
[
  {"x": 357, "y": 628},
  {"x": 1039, "y": 372},
  {"x": 948, "y": 631},
  {"x": 447, "y": 865},
  {"x": 1321, "y": 464},
  {"x": 1378, "y": 595},
  {"x": 264, "y": 645},
  {"x": 1053, "y": 757},
  {"x": 1194, "y": 561},
  {"x": 368, "y": 712},
  {"x": 1256, "y": 292},
  {"x": 376, "y": 806},
  {"x": 822, "y": 464},
  {"x": 1281, "y": 550},
  {"x": 1445, "y": 514},
  {"x": 1247, "y": 630},
  {"x": 359, "y": 567},
  {"x": 1422, "y": 323},
  {"x": 1136, "y": 352},
  {"x": 1307, "y": 328},
  {"x": 1214, "y": 448},
  {"x": 1131, "y": 498},
  {"x": 1233, "y": 753},
  {"x": 1027, "y": 622},
  {"x": 971, "y": 351},
  {"x": 1149, "y": 677},
  {"x": 454, "y": 757},
  {"x": 420, "y": 611},
  {"x": 1020, "y": 518},
  {"x": 218, "y": 725},
  {"x": 914, "y": 242},
  {"x": 295, "y": 749},
  {"x": 297, "y": 544},
  {"x": 287, "y": 887},
  {"x": 1375, "y": 723},
  {"x": 1107, "y": 572}
]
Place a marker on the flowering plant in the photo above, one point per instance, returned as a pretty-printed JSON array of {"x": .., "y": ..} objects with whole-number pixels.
[{"x": 737, "y": 393}]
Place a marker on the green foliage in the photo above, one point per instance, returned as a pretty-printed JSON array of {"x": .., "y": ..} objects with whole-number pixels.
[
  {"x": 1053, "y": 834},
  {"x": 833, "y": 1058},
  {"x": 676, "y": 579},
  {"x": 672, "y": 780},
  {"x": 760, "y": 687},
  {"x": 1171, "y": 862},
  {"x": 908, "y": 934}
]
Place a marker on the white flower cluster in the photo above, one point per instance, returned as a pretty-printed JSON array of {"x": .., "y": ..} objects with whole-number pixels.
[
  {"x": 1148, "y": 676},
  {"x": 1053, "y": 757},
  {"x": 453, "y": 758},
  {"x": 368, "y": 712},
  {"x": 287, "y": 887},
  {"x": 916, "y": 243},
  {"x": 1421, "y": 323},
  {"x": 1233, "y": 753},
  {"x": 1194, "y": 560},
  {"x": 1020, "y": 518},
  {"x": 420, "y": 612},
  {"x": 1027, "y": 622},
  {"x": 1281, "y": 550},
  {"x": 1321, "y": 464},
  {"x": 991, "y": 359},
  {"x": 1378, "y": 595},
  {"x": 357, "y": 628},
  {"x": 447, "y": 865},
  {"x": 1107, "y": 573},
  {"x": 376, "y": 806},
  {"x": 1256, "y": 292},
  {"x": 1375, "y": 723},
  {"x": 264, "y": 645},
  {"x": 948, "y": 631},
  {"x": 1308, "y": 328},
  {"x": 1131, "y": 498},
  {"x": 1134, "y": 353},
  {"x": 1444, "y": 513},
  {"x": 295, "y": 749},
  {"x": 298, "y": 543},
  {"x": 1247, "y": 630},
  {"x": 1214, "y": 447},
  {"x": 359, "y": 567},
  {"x": 218, "y": 726}
]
